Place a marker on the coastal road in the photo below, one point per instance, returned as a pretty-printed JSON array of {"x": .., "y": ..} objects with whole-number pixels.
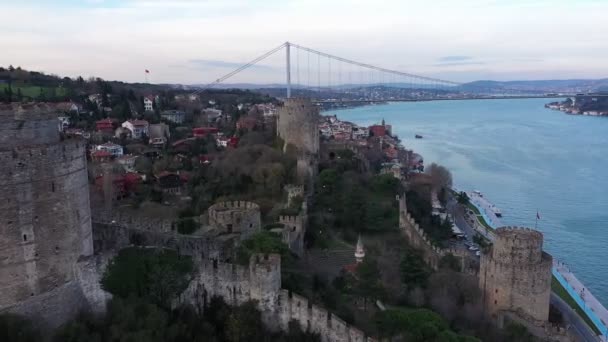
[{"x": 578, "y": 327}]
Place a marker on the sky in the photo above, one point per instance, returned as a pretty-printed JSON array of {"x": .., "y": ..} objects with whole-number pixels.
[{"x": 198, "y": 41}]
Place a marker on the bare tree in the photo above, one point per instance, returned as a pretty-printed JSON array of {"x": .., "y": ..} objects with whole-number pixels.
[{"x": 441, "y": 177}]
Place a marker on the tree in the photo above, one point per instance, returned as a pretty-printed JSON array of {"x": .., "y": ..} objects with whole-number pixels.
[
  {"x": 413, "y": 269},
  {"x": 263, "y": 242},
  {"x": 17, "y": 328},
  {"x": 441, "y": 178},
  {"x": 157, "y": 275},
  {"x": 243, "y": 324},
  {"x": 368, "y": 281},
  {"x": 463, "y": 198}
]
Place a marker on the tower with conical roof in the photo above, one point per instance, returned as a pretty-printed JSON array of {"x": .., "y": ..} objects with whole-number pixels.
[{"x": 359, "y": 251}]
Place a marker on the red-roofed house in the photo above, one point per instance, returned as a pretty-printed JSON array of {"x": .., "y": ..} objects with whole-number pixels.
[
  {"x": 131, "y": 180},
  {"x": 138, "y": 128},
  {"x": 100, "y": 156},
  {"x": 201, "y": 132},
  {"x": 106, "y": 125}
]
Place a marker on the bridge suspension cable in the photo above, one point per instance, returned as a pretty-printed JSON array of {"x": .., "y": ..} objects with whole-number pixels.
[{"x": 243, "y": 67}]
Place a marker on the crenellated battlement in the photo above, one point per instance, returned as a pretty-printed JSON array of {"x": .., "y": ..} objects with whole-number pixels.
[
  {"x": 260, "y": 281},
  {"x": 515, "y": 274},
  {"x": 235, "y": 217},
  {"x": 290, "y": 219}
]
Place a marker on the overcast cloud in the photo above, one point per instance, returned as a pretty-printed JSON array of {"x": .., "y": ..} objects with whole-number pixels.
[{"x": 188, "y": 41}]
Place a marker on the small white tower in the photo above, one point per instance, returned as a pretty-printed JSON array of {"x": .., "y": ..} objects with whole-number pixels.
[{"x": 360, "y": 251}]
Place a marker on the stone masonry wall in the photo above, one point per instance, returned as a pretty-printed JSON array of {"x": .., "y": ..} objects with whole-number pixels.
[
  {"x": 261, "y": 281},
  {"x": 418, "y": 239},
  {"x": 45, "y": 224},
  {"x": 235, "y": 217},
  {"x": 108, "y": 237},
  {"x": 515, "y": 274}
]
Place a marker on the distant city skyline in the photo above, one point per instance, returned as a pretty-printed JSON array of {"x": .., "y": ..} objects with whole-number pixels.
[{"x": 193, "y": 42}]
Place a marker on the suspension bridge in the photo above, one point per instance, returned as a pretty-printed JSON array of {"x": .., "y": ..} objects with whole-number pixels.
[{"x": 326, "y": 79}]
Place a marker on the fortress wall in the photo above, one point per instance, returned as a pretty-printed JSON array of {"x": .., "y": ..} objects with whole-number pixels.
[
  {"x": 515, "y": 275},
  {"x": 115, "y": 237},
  {"x": 316, "y": 319},
  {"x": 260, "y": 281},
  {"x": 45, "y": 224},
  {"x": 236, "y": 216}
]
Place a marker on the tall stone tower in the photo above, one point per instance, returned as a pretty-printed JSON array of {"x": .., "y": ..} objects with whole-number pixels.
[
  {"x": 44, "y": 213},
  {"x": 297, "y": 125},
  {"x": 515, "y": 275}
]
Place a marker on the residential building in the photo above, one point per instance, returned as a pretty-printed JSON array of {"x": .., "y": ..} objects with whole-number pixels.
[
  {"x": 114, "y": 149},
  {"x": 360, "y": 132},
  {"x": 97, "y": 99},
  {"x": 159, "y": 135},
  {"x": 169, "y": 182},
  {"x": 64, "y": 123},
  {"x": 127, "y": 162},
  {"x": 138, "y": 128},
  {"x": 105, "y": 125},
  {"x": 149, "y": 103},
  {"x": 213, "y": 115},
  {"x": 175, "y": 116},
  {"x": 201, "y": 132},
  {"x": 122, "y": 133},
  {"x": 101, "y": 156}
]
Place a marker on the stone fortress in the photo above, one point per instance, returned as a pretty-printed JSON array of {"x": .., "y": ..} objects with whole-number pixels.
[
  {"x": 297, "y": 125},
  {"x": 53, "y": 250},
  {"x": 515, "y": 274},
  {"x": 45, "y": 213}
]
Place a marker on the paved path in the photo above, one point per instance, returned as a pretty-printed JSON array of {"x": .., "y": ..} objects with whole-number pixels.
[
  {"x": 589, "y": 299},
  {"x": 485, "y": 207},
  {"x": 575, "y": 323}
]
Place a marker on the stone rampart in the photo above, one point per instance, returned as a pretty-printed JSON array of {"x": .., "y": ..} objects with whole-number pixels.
[
  {"x": 261, "y": 281},
  {"x": 431, "y": 253},
  {"x": 293, "y": 232},
  {"x": 515, "y": 274},
  {"x": 45, "y": 215},
  {"x": 235, "y": 217},
  {"x": 27, "y": 124},
  {"x": 113, "y": 237}
]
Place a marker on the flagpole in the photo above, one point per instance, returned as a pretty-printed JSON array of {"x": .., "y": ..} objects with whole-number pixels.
[{"x": 536, "y": 223}]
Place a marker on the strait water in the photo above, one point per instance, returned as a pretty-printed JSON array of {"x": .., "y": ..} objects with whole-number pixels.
[{"x": 523, "y": 158}]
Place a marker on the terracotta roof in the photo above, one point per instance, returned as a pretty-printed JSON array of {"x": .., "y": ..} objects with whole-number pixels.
[{"x": 100, "y": 154}]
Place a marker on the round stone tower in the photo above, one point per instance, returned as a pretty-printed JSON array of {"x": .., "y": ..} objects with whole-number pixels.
[
  {"x": 44, "y": 212},
  {"x": 515, "y": 274},
  {"x": 297, "y": 125}
]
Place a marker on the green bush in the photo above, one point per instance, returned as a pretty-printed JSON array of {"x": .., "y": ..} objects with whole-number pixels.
[{"x": 154, "y": 274}]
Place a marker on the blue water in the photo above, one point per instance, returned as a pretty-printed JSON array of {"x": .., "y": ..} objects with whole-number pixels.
[{"x": 523, "y": 158}]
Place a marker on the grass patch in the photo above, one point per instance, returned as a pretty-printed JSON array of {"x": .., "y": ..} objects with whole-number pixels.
[
  {"x": 561, "y": 292},
  {"x": 479, "y": 216},
  {"x": 34, "y": 91}
]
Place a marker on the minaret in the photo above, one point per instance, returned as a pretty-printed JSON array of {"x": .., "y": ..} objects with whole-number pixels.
[{"x": 360, "y": 251}]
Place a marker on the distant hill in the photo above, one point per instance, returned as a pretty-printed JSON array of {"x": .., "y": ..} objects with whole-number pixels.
[{"x": 554, "y": 86}]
